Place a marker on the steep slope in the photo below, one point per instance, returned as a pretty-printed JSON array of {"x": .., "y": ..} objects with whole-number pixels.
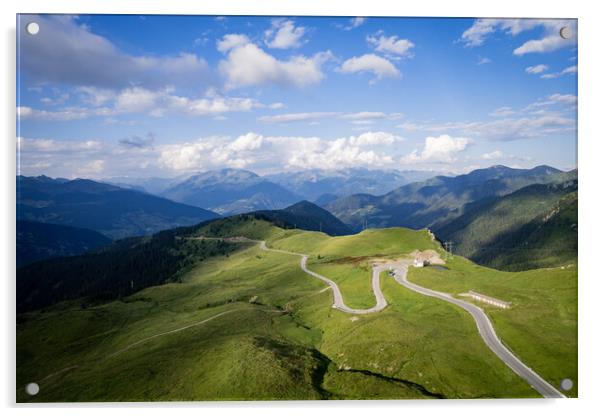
[
  {"x": 547, "y": 241},
  {"x": 120, "y": 269},
  {"x": 306, "y": 216},
  {"x": 39, "y": 241},
  {"x": 536, "y": 232},
  {"x": 108, "y": 209},
  {"x": 437, "y": 201},
  {"x": 535, "y": 226},
  {"x": 231, "y": 191}
]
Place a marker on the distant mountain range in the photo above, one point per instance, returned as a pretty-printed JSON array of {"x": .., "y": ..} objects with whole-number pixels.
[
  {"x": 436, "y": 201},
  {"x": 231, "y": 191},
  {"x": 108, "y": 209},
  {"x": 152, "y": 185},
  {"x": 39, "y": 241},
  {"x": 322, "y": 186}
]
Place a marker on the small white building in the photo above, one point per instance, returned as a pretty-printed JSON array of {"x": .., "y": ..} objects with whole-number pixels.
[{"x": 418, "y": 262}]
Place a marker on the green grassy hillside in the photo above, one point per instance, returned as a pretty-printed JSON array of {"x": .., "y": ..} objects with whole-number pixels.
[{"x": 253, "y": 325}]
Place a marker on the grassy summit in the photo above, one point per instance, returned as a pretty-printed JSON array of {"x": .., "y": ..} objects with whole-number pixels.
[{"x": 251, "y": 324}]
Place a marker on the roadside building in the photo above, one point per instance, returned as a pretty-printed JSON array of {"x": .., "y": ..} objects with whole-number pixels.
[{"x": 422, "y": 258}]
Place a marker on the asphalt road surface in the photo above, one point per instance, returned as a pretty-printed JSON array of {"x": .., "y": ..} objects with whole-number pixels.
[{"x": 487, "y": 333}]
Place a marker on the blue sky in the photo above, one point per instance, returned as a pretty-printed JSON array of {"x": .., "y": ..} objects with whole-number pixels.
[{"x": 102, "y": 96}]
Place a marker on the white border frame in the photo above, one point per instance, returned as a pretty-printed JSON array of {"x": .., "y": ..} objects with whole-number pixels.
[{"x": 589, "y": 152}]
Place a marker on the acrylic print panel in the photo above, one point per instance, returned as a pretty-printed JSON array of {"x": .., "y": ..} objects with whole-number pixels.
[{"x": 286, "y": 208}]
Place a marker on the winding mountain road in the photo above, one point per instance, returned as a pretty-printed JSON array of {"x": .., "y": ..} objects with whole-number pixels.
[
  {"x": 487, "y": 333},
  {"x": 484, "y": 326},
  {"x": 338, "y": 303}
]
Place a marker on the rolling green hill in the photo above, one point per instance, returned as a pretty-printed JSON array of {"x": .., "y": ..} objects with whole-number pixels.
[
  {"x": 533, "y": 227},
  {"x": 252, "y": 325}
]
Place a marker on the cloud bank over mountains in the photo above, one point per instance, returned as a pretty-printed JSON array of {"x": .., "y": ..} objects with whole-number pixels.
[{"x": 272, "y": 94}]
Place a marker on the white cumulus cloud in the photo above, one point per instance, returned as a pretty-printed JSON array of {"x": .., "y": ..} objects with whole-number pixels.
[
  {"x": 374, "y": 139},
  {"x": 284, "y": 34},
  {"x": 249, "y": 141},
  {"x": 231, "y": 41},
  {"x": 247, "y": 65},
  {"x": 256, "y": 151},
  {"x": 379, "y": 66},
  {"x": 391, "y": 45},
  {"x": 441, "y": 149}
]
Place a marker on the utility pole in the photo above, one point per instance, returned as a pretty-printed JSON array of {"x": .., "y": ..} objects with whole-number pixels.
[
  {"x": 320, "y": 226},
  {"x": 449, "y": 245}
]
